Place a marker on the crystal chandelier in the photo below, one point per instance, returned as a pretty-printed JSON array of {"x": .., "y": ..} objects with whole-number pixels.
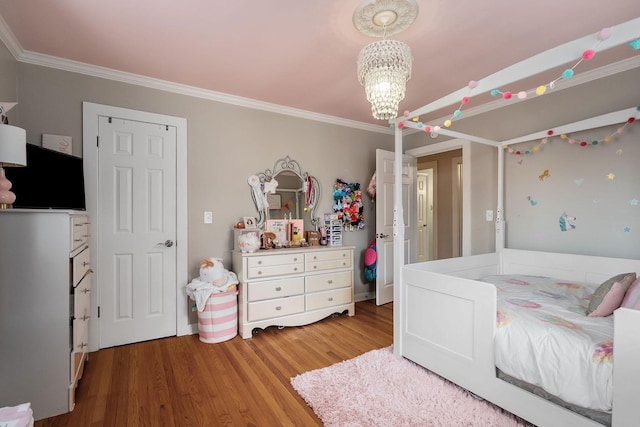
[
  {"x": 384, "y": 66},
  {"x": 383, "y": 69}
]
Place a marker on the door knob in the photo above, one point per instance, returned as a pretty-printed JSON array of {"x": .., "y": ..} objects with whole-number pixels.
[
  {"x": 382, "y": 236},
  {"x": 167, "y": 243}
]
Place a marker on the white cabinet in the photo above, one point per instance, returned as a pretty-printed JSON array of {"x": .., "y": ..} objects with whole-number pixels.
[
  {"x": 293, "y": 287},
  {"x": 45, "y": 288}
]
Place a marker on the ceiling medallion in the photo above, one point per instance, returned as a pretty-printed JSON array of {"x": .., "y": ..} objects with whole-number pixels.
[{"x": 379, "y": 18}]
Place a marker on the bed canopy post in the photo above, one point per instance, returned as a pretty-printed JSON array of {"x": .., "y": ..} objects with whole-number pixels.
[
  {"x": 500, "y": 234},
  {"x": 398, "y": 241}
]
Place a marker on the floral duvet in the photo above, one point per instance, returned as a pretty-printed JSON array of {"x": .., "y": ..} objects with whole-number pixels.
[{"x": 544, "y": 337}]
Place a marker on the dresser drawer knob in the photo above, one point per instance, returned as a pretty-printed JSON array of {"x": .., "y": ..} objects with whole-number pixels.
[
  {"x": 259, "y": 273},
  {"x": 315, "y": 266},
  {"x": 295, "y": 268},
  {"x": 329, "y": 281},
  {"x": 295, "y": 259},
  {"x": 330, "y": 298},
  {"x": 259, "y": 262},
  {"x": 278, "y": 289},
  {"x": 278, "y": 308}
]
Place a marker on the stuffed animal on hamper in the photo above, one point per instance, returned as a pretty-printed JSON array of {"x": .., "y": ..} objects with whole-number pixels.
[{"x": 212, "y": 271}]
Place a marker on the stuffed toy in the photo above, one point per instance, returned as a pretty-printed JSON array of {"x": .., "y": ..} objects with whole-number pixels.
[
  {"x": 212, "y": 271},
  {"x": 213, "y": 278},
  {"x": 370, "y": 262}
]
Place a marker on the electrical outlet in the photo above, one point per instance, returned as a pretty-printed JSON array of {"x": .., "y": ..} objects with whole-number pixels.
[
  {"x": 489, "y": 215},
  {"x": 208, "y": 217}
]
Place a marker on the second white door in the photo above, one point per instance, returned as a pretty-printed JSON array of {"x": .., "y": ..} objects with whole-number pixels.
[{"x": 137, "y": 230}]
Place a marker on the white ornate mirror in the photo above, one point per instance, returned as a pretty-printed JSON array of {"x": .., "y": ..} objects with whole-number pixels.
[{"x": 285, "y": 191}]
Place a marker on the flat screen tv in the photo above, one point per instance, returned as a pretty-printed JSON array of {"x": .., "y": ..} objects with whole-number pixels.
[{"x": 51, "y": 180}]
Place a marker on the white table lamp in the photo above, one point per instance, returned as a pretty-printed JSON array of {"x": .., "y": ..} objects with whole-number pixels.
[{"x": 13, "y": 152}]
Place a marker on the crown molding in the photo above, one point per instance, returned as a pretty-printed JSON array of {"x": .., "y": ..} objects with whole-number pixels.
[{"x": 28, "y": 57}]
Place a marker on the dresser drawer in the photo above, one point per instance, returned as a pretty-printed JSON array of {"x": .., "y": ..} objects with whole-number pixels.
[
  {"x": 328, "y": 260},
  {"x": 275, "y": 288},
  {"x": 275, "y": 270},
  {"x": 275, "y": 308},
  {"x": 80, "y": 266},
  {"x": 324, "y": 282},
  {"x": 82, "y": 298},
  {"x": 80, "y": 348},
  {"x": 271, "y": 260},
  {"x": 79, "y": 231},
  {"x": 324, "y": 299}
]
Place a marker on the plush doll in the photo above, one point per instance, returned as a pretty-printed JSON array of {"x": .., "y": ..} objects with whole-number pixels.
[
  {"x": 212, "y": 271},
  {"x": 370, "y": 262}
]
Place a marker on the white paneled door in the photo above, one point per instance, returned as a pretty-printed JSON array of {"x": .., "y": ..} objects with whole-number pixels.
[
  {"x": 384, "y": 219},
  {"x": 137, "y": 230}
]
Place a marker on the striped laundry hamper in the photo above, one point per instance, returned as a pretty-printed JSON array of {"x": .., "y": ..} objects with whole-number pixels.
[{"x": 219, "y": 320}]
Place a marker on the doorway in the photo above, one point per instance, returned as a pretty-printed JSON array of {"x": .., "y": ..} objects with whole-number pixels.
[
  {"x": 135, "y": 174},
  {"x": 426, "y": 227}
]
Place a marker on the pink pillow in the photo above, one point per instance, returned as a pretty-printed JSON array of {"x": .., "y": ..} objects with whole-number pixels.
[
  {"x": 632, "y": 297},
  {"x": 613, "y": 298}
]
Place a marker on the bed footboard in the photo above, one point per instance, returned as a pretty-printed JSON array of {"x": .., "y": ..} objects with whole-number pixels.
[{"x": 460, "y": 345}]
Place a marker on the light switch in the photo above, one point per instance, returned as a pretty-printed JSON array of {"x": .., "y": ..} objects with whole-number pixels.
[
  {"x": 208, "y": 217},
  {"x": 489, "y": 214}
]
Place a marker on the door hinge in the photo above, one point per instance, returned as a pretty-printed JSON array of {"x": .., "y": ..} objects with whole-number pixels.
[
  {"x": 97, "y": 141},
  {"x": 98, "y": 311}
]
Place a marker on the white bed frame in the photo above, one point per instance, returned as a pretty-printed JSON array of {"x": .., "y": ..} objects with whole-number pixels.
[
  {"x": 448, "y": 325},
  {"x": 445, "y": 321}
]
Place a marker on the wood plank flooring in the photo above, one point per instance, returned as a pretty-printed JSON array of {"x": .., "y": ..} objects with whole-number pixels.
[{"x": 180, "y": 381}]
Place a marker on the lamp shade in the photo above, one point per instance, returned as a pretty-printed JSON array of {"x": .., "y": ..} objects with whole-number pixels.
[{"x": 13, "y": 146}]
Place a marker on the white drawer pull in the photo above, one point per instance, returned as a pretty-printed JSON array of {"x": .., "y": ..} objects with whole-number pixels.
[
  {"x": 278, "y": 308},
  {"x": 278, "y": 289}
]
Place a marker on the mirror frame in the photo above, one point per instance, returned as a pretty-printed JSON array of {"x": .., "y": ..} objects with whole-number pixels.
[{"x": 287, "y": 164}]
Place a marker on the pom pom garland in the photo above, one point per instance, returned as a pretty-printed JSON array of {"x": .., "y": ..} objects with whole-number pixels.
[
  {"x": 568, "y": 73},
  {"x": 582, "y": 143}
]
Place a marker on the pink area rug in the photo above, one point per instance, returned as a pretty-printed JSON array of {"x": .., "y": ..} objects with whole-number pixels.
[{"x": 376, "y": 389}]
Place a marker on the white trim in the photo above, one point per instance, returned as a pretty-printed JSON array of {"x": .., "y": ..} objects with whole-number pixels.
[{"x": 90, "y": 116}]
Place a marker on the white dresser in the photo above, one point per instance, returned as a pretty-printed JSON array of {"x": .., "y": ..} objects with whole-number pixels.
[
  {"x": 45, "y": 286},
  {"x": 293, "y": 287}
]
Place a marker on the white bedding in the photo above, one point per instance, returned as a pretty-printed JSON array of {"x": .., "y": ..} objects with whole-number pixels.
[{"x": 543, "y": 337}]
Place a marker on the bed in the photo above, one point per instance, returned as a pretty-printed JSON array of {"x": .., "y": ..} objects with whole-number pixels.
[{"x": 445, "y": 317}]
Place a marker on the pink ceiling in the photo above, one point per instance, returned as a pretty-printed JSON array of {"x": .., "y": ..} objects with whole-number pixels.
[{"x": 300, "y": 53}]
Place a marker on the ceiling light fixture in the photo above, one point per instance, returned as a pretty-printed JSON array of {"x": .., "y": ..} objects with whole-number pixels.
[{"x": 384, "y": 66}]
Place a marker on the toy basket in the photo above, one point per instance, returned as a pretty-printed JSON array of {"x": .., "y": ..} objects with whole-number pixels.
[{"x": 218, "y": 321}]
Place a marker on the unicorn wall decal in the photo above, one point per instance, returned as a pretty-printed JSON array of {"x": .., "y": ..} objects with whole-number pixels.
[{"x": 565, "y": 222}]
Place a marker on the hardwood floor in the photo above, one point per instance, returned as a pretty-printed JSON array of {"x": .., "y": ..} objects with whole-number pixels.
[{"x": 180, "y": 381}]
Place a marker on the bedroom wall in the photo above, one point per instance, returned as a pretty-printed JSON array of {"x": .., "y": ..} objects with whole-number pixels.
[
  {"x": 579, "y": 183},
  {"x": 226, "y": 144}
]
